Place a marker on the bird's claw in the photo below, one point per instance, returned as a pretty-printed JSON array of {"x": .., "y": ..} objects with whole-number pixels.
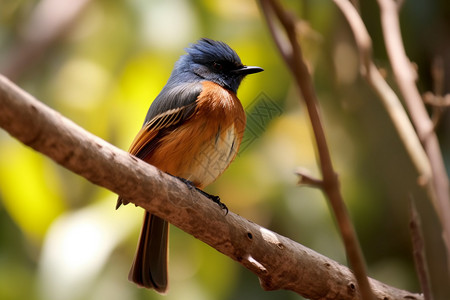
[{"x": 215, "y": 199}]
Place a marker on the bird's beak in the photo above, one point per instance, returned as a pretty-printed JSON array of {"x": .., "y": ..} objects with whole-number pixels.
[{"x": 245, "y": 70}]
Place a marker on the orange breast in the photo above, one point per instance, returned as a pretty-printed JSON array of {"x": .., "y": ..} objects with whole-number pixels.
[{"x": 203, "y": 147}]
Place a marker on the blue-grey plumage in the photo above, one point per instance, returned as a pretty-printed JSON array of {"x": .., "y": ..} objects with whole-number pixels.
[{"x": 206, "y": 60}]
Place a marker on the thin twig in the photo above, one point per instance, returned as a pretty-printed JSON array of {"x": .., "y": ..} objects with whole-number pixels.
[
  {"x": 418, "y": 245},
  {"x": 362, "y": 38},
  {"x": 438, "y": 76},
  {"x": 295, "y": 62},
  {"x": 305, "y": 178},
  {"x": 405, "y": 77},
  {"x": 388, "y": 97},
  {"x": 438, "y": 101}
]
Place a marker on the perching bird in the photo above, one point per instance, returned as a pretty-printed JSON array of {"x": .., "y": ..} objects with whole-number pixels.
[{"x": 192, "y": 130}]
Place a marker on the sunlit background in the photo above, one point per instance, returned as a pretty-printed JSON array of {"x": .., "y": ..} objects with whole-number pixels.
[{"x": 101, "y": 63}]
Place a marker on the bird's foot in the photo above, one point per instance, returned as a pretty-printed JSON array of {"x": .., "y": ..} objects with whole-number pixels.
[{"x": 215, "y": 199}]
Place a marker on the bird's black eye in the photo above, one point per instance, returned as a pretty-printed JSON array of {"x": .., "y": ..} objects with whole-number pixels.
[{"x": 217, "y": 66}]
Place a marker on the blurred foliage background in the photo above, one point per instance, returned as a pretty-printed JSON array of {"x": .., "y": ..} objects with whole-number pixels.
[{"x": 100, "y": 63}]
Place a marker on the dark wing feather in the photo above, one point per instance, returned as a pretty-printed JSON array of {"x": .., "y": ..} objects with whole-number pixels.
[
  {"x": 147, "y": 138},
  {"x": 174, "y": 105},
  {"x": 172, "y": 97}
]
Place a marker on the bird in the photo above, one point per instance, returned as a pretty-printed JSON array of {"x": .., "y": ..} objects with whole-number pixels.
[{"x": 192, "y": 130}]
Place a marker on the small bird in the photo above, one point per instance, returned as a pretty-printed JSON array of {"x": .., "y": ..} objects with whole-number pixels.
[{"x": 193, "y": 130}]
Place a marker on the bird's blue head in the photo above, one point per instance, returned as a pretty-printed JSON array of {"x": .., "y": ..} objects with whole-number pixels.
[{"x": 213, "y": 61}]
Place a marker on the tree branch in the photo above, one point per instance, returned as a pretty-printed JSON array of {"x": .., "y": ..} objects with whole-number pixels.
[
  {"x": 305, "y": 178},
  {"x": 405, "y": 77},
  {"x": 419, "y": 255},
  {"x": 279, "y": 262},
  {"x": 387, "y": 96},
  {"x": 292, "y": 54}
]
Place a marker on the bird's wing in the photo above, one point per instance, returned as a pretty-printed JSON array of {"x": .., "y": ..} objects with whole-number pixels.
[
  {"x": 172, "y": 107},
  {"x": 146, "y": 139},
  {"x": 174, "y": 96},
  {"x": 175, "y": 104}
]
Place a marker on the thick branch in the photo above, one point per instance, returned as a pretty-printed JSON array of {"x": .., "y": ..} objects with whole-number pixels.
[{"x": 279, "y": 262}]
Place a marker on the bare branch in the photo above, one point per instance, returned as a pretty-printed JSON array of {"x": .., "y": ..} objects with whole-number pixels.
[
  {"x": 295, "y": 62},
  {"x": 305, "y": 178},
  {"x": 388, "y": 97},
  {"x": 418, "y": 244},
  {"x": 438, "y": 101},
  {"x": 438, "y": 75},
  {"x": 279, "y": 262},
  {"x": 362, "y": 38},
  {"x": 405, "y": 77},
  {"x": 439, "y": 104}
]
